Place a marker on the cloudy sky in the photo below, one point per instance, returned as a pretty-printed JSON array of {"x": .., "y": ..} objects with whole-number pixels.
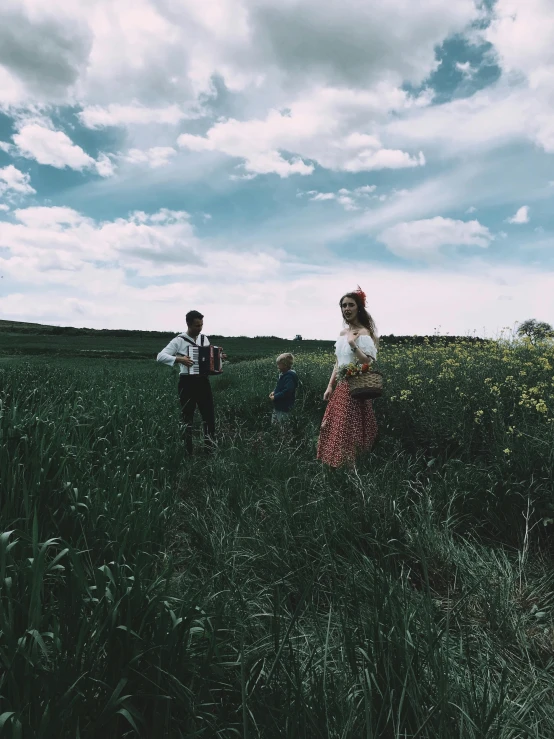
[{"x": 255, "y": 159}]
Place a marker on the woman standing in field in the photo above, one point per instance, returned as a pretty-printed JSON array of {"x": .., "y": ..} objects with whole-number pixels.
[{"x": 349, "y": 425}]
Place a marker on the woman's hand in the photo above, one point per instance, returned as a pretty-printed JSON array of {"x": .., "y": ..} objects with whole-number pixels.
[
  {"x": 351, "y": 336},
  {"x": 272, "y": 396},
  {"x": 327, "y": 394}
]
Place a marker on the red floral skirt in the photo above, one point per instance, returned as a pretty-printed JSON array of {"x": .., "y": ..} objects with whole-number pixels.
[{"x": 348, "y": 427}]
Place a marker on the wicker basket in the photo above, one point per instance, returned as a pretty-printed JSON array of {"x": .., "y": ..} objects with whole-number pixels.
[{"x": 367, "y": 385}]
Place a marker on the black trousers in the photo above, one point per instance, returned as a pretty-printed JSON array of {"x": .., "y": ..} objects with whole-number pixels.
[{"x": 196, "y": 391}]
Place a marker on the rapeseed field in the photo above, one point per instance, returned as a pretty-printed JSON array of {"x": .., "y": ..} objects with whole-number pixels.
[{"x": 254, "y": 593}]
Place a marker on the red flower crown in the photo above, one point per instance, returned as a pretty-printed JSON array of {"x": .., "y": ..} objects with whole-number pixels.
[{"x": 362, "y": 295}]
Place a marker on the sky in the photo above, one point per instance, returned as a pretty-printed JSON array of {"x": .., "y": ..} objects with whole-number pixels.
[{"x": 256, "y": 159}]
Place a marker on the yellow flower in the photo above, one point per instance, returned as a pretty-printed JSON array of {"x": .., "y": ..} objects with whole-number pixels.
[{"x": 507, "y": 451}]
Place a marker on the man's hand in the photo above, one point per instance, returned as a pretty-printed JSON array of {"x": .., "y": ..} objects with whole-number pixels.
[
  {"x": 187, "y": 361},
  {"x": 272, "y": 396}
]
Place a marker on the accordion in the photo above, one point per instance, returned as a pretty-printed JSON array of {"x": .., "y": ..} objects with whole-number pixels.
[{"x": 207, "y": 360}]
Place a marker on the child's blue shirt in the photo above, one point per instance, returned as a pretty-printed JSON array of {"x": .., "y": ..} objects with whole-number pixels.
[{"x": 285, "y": 391}]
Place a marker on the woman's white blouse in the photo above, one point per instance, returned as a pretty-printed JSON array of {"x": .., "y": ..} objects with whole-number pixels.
[{"x": 344, "y": 353}]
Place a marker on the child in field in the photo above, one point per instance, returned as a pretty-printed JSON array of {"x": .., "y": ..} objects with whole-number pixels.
[{"x": 284, "y": 395}]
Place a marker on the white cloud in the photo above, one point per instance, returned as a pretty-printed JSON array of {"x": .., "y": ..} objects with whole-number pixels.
[
  {"x": 272, "y": 305},
  {"x": 43, "y": 50},
  {"x": 104, "y": 166},
  {"x": 156, "y": 156},
  {"x": 423, "y": 239},
  {"x": 344, "y": 65},
  {"x": 59, "y": 246},
  {"x": 239, "y": 177},
  {"x": 350, "y": 200},
  {"x": 47, "y": 242},
  {"x": 312, "y": 129},
  {"x": 339, "y": 69},
  {"x": 7, "y": 147},
  {"x": 359, "y": 198},
  {"x": 97, "y": 116},
  {"x": 490, "y": 118},
  {"x": 46, "y": 146},
  {"x": 521, "y": 33},
  {"x": 517, "y": 108},
  {"x": 522, "y": 216},
  {"x": 50, "y": 147},
  {"x": 13, "y": 180},
  {"x": 465, "y": 68},
  {"x": 4, "y": 207},
  {"x": 12, "y": 92},
  {"x": 51, "y": 218},
  {"x": 351, "y": 43},
  {"x": 148, "y": 52},
  {"x": 323, "y": 196},
  {"x": 347, "y": 202}
]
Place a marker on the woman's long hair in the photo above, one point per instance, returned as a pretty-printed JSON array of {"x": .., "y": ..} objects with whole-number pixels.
[{"x": 363, "y": 316}]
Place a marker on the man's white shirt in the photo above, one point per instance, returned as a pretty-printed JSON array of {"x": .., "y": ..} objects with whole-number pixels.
[{"x": 176, "y": 346}]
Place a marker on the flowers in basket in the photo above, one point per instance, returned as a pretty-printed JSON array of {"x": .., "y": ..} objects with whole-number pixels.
[{"x": 352, "y": 370}]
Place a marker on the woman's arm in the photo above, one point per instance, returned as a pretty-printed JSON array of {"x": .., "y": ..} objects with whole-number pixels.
[
  {"x": 360, "y": 355},
  {"x": 331, "y": 384}
]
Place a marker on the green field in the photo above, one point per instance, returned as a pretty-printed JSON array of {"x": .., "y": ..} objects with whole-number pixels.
[
  {"x": 22, "y": 339},
  {"x": 255, "y": 594}
]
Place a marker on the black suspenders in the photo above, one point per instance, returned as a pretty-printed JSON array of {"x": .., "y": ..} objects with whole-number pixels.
[{"x": 190, "y": 341}]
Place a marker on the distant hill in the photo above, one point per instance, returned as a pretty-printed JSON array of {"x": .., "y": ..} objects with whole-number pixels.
[
  {"x": 22, "y": 327},
  {"x": 18, "y": 338}
]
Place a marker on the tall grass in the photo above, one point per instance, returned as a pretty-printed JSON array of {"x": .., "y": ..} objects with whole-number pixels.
[{"x": 255, "y": 593}]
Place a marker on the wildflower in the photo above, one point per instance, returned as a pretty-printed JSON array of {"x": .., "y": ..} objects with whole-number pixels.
[{"x": 507, "y": 451}]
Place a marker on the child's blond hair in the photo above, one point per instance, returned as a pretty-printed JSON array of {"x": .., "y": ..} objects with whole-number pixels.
[{"x": 287, "y": 359}]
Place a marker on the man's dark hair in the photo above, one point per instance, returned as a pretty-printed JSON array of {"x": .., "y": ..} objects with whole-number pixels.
[{"x": 192, "y": 315}]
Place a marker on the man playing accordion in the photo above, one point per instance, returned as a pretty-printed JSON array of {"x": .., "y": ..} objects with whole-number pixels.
[{"x": 196, "y": 359}]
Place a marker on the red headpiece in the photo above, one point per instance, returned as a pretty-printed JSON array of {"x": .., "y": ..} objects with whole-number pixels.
[{"x": 361, "y": 293}]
